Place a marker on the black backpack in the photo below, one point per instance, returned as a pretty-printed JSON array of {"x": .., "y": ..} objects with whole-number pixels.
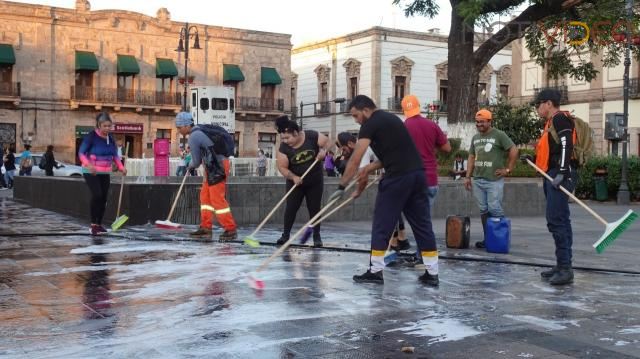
[
  {"x": 43, "y": 162},
  {"x": 223, "y": 143}
]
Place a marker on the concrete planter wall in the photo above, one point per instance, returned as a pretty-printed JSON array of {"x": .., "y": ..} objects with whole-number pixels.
[{"x": 251, "y": 199}]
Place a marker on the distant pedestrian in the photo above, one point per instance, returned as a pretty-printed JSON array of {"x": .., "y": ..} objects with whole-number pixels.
[
  {"x": 10, "y": 166},
  {"x": 261, "y": 163},
  {"x": 182, "y": 164},
  {"x": 489, "y": 149},
  {"x": 401, "y": 190},
  {"x": 97, "y": 153},
  {"x": 26, "y": 161},
  {"x": 49, "y": 161},
  {"x": 459, "y": 169},
  {"x": 329, "y": 165}
]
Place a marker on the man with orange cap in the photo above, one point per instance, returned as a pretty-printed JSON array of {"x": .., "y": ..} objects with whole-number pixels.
[
  {"x": 486, "y": 165},
  {"x": 428, "y": 138}
]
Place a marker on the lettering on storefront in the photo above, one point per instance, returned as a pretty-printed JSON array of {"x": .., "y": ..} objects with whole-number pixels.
[{"x": 127, "y": 128}]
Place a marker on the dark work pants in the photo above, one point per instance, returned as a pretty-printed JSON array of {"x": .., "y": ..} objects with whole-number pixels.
[
  {"x": 311, "y": 190},
  {"x": 557, "y": 213},
  {"x": 99, "y": 187},
  {"x": 407, "y": 194}
]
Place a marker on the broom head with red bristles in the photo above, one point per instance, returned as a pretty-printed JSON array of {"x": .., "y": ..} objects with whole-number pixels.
[{"x": 167, "y": 224}]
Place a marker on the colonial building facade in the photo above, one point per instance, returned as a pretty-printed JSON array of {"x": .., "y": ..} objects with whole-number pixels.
[
  {"x": 59, "y": 67},
  {"x": 385, "y": 64},
  {"x": 591, "y": 101}
]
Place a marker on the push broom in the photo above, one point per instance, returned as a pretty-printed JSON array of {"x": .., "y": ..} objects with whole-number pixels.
[
  {"x": 250, "y": 240},
  {"x": 309, "y": 230},
  {"x": 168, "y": 224},
  {"x": 612, "y": 230},
  {"x": 258, "y": 284},
  {"x": 120, "y": 219}
]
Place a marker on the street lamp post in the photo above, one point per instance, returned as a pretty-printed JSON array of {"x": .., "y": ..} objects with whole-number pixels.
[
  {"x": 183, "y": 46},
  {"x": 623, "y": 196}
]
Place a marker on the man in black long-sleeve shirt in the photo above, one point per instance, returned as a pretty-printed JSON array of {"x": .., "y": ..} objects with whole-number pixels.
[{"x": 553, "y": 154}]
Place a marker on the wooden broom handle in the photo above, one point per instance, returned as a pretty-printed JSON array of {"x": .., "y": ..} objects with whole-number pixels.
[
  {"x": 264, "y": 221},
  {"x": 302, "y": 229},
  {"x": 175, "y": 202},
  {"x": 569, "y": 193},
  {"x": 342, "y": 204},
  {"x": 122, "y": 184}
]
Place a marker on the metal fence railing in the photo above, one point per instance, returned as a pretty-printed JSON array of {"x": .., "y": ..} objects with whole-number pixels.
[{"x": 115, "y": 95}]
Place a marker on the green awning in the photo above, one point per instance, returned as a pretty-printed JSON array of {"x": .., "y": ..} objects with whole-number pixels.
[
  {"x": 166, "y": 68},
  {"x": 270, "y": 76},
  {"x": 127, "y": 65},
  {"x": 231, "y": 73},
  {"x": 86, "y": 61},
  {"x": 7, "y": 56}
]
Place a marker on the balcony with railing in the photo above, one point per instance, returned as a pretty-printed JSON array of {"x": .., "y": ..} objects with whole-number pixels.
[
  {"x": 322, "y": 109},
  {"x": 259, "y": 104},
  {"x": 394, "y": 104},
  {"x": 81, "y": 95},
  {"x": 10, "y": 91}
]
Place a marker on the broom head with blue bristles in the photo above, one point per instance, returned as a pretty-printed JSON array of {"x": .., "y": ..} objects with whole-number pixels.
[{"x": 614, "y": 230}]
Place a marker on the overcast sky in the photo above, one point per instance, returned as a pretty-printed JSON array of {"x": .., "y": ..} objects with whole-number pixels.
[{"x": 305, "y": 20}]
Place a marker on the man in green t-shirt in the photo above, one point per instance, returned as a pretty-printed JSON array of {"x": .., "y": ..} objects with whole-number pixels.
[{"x": 486, "y": 164}]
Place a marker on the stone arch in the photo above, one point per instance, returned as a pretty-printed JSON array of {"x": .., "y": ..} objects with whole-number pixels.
[
  {"x": 352, "y": 70},
  {"x": 402, "y": 66}
]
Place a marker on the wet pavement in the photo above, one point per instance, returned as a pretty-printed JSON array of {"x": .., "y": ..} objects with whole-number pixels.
[{"x": 153, "y": 293}]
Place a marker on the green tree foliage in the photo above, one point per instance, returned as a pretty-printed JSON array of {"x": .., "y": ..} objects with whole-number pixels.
[
  {"x": 553, "y": 35},
  {"x": 520, "y": 123}
]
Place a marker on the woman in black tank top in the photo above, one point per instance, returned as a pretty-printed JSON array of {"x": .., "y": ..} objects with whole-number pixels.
[{"x": 298, "y": 151}]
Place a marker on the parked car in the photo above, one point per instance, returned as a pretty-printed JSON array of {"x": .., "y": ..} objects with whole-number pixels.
[{"x": 65, "y": 170}]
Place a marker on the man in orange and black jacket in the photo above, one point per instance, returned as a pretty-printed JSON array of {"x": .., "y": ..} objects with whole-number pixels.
[{"x": 553, "y": 155}]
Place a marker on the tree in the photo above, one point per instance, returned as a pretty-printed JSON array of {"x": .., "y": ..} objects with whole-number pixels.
[
  {"x": 520, "y": 123},
  {"x": 552, "y": 37}
]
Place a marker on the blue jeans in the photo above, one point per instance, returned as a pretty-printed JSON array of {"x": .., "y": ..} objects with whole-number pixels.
[
  {"x": 8, "y": 178},
  {"x": 25, "y": 171},
  {"x": 489, "y": 194},
  {"x": 181, "y": 171},
  {"x": 557, "y": 213},
  {"x": 432, "y": 192}
]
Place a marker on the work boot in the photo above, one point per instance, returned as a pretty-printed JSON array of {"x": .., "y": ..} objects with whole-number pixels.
[
  {"x": 228, "y": 236},
  {"x": 317, "y": 241},
  {"x": 483, "y": 218},
  {"x": 201, "y": 232},
  {"x": 563, "y": 276},
  {"x": 549, "y": 272},
  {"x": 283, "y": 239},
  {"x": 428, "y": 279},
  {"x": 368, "y": 277}
]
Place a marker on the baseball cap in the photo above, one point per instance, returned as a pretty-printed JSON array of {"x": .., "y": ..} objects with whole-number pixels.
[
  {"x": 484, "y": 114},
  {"x": 184, "y": 119},
  {"x": 410, "y": 106},
  {"x": 547, "y": 94}
]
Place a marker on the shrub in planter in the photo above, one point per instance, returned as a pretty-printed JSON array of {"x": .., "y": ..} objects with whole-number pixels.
[{"x": 613, "y": 165}]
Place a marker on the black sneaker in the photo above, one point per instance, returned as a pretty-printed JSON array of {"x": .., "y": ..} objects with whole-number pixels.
[
  {"x": 480, "y": 245},
  {"x": 368, "y": 277},
  {"x": 201, "y": 232},
  {"x": 228, "y": 236},
  {"x": 428, "y": 279},
  {"x": 411, "y": 262},
  {"x": 283, "y": 239},
  {"x": 549, "y": 273},
  {"x": 403, "y": 245}
]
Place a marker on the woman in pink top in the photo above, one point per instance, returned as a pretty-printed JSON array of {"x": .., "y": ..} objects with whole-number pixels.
[{"x": 97, "y": 153}]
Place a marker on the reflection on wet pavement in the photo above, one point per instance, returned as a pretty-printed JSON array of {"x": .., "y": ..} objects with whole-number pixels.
[{"x": 78, "y": 297}]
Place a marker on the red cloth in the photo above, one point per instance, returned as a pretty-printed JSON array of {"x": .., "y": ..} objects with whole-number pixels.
[{"x": 427, "y": 137}]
